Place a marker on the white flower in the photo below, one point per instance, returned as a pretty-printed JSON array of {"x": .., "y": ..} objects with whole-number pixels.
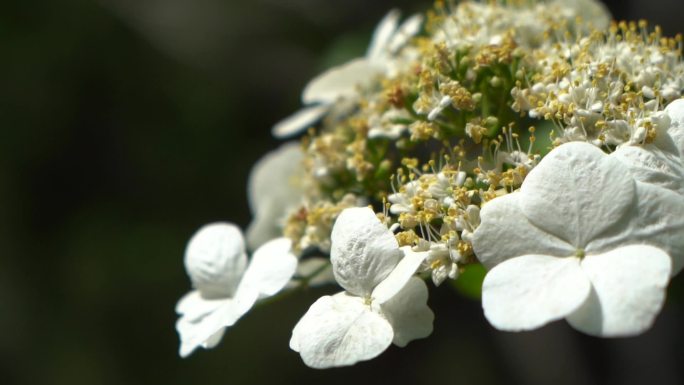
[
  {"x": 275, "y": 187},
  {"x": 468, "y": 222},
  {"x": 442, "y": 260},
  {"x": 582, "y": 240},
  {"x": 342, "y": 81},
  {"x": 401, "y": 201},
  {"x": 382, "y": 302},
  {"x": 225, "y": 286},
  {"x": 675, "y": 130}
]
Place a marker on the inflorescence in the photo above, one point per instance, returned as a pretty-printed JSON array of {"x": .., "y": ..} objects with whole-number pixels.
[{"x": 538, "y": 139}]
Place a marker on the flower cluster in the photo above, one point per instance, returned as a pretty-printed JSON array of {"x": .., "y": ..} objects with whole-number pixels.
[
  {"x": 605, "y": 88},
  {"x": 536, "y": 139}
]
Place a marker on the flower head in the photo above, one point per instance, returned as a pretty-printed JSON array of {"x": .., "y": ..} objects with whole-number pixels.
[{"x": 425, "y": 126}]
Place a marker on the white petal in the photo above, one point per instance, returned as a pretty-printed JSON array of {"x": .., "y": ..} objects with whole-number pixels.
[
  {"x": 661, "y": 222},
  {"x": 363, "y": 251},
  {"x": 401, "y": 274},
  {"x": 577, "y": 192},
  {"x": 203, "y": 321},
  {"x": 275, "y": 171},
  {"x": 657, "y": 220},
  {"x": 214, "y": 340},
  {"x": 271, "y": 268},
  {"x": 215, "y": 259},
  {"x": 265, "y": 224},
  {"x": 408, "y": 313},
  {"x": 406, "y": 31},
  {"x": 274, "y": 188},
  {"x": 504, "y": 233},
  {"x": 382, "y": 34},
  {"x": 194, "y": 303},
  {"x": 628, "y": 291},
  {"x": 340, "y": 81},
  {"x": 339, "y": 331},
  {"x": 299, "y": 121},
  {"x": 530, "y": 291},
  {"x": 650, "y": 164},
  {"x": 592, "y": 12},
  {"x": 675, "y": 111}
]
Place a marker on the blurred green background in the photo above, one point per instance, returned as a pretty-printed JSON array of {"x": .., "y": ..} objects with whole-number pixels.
[{"x": 127, "y": 124}]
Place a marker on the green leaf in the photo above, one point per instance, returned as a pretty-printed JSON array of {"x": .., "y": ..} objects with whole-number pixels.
[{"x": 469, "y": 282}]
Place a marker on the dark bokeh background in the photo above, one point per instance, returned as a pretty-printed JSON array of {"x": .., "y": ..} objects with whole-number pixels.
[{"x": 127, "y": 124}]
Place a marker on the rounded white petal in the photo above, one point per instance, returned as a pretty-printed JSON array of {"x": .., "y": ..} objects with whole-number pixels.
[
  {"x": 530, "y": 291},
  {"x": 409, "y": 28},
  {"x": 271, "y": 267},
  {"x": 649, "y": 164},
  {"x": 340, "y": 330},
  {"x": 383, "y": 34},
  {"x": 274, "y": 188},
  {"x": 504, "y": 233},
  {"x": 591, "y": 11},
  {"x": 299, "y": 121},
  {"x": 203, "y": 321},
  {"x": 363, "y": 251},
  {"x": 408, "y": 313},
  {"x": 661, "y": 222},
  {"x": 401, "y": 274},
  {"x": 195, "y": 305},
  {"x": 675, "y": 111},
  {"x": 657, "y": 220},
  {"x": 214, "y": 340},
  {"x": 265, "y": 224},
  {"x": 275, "y": 177},
  {"x": 577, "y": 193},
  {"x": 628, "y": 291},
  {"x": 340, "y": 81},
  {"x": 215, "y": 259}
]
